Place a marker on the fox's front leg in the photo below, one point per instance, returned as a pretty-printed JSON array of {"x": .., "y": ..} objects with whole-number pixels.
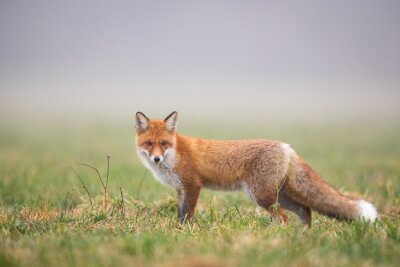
[
  {"x": 182, "y": 205},
  {"x": 187, "y": 200}
]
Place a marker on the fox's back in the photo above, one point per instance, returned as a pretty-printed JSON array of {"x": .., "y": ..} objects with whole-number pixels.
[{"x": 227, "y": 161}]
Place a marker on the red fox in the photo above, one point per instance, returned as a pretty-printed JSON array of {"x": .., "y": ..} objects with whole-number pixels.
[{"x": 270, "y": 172}]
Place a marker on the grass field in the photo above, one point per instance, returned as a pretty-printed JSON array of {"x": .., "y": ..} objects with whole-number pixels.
[{"x": 46, "y": 218}]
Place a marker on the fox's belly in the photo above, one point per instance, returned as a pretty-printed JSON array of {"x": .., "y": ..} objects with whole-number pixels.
[{"x": 232, "y": 186}]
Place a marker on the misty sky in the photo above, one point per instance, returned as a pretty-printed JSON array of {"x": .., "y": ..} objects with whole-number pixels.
[{"x": 265, "y": 58}]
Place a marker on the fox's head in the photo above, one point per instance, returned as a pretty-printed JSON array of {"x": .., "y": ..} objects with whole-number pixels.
[{"x": 155, "y": 139}]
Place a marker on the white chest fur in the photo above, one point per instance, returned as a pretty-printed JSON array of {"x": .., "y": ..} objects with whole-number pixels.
[{"x": 163, "y": 172}]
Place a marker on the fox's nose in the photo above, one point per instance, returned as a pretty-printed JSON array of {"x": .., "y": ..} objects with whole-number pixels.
[{"x": 157, "y": 159}]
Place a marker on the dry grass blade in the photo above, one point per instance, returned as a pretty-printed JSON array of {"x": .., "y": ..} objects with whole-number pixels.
[
  {"x": 105, "y": 185},
  {"x": 122, "y": 203},
  {"x": 95, "y": 169},
  {"x": 83, "y": 185},
  {"x": 140, "y": 184},
  {"x": 108, "y": 169}
]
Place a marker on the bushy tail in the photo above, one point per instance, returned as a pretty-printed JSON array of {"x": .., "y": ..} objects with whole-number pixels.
[{"x": 307, "y": 188}]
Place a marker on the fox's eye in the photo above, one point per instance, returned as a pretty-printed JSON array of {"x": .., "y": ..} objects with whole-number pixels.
[
  {"x": 149, "y": 143},
  {"x": 164, "y": 143}
]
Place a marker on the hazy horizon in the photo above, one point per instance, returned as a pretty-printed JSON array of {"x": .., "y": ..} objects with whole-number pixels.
[{"x": 275, "y": 59}]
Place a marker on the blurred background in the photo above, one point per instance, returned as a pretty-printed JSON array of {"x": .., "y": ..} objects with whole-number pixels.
[
  {"x": 265, "y": 60},
  {"x": 323, "y": 76}
]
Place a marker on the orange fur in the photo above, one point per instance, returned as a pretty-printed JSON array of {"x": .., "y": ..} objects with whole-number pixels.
[{"x": 269, "y": 171}]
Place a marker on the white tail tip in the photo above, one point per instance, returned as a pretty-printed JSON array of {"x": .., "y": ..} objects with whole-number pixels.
[{"x": 367, "y": 211}]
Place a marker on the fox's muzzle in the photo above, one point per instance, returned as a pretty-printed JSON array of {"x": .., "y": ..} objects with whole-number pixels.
[{"x": 156, "y": 159}]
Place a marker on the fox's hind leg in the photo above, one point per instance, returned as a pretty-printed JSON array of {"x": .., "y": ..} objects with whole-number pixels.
[
  {"x": 304, "y": 213},
  {"x": 275, "y": 210},
  {"x": 267, "y": 199}
]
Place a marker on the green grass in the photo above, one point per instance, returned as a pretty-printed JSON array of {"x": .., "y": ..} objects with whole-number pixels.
[{"x": 46, "y": 218}]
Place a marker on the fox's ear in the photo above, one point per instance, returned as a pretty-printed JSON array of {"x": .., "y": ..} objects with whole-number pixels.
[
  {"x": 142, "y": 122},
  {"x": 170, "y": 121}
]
